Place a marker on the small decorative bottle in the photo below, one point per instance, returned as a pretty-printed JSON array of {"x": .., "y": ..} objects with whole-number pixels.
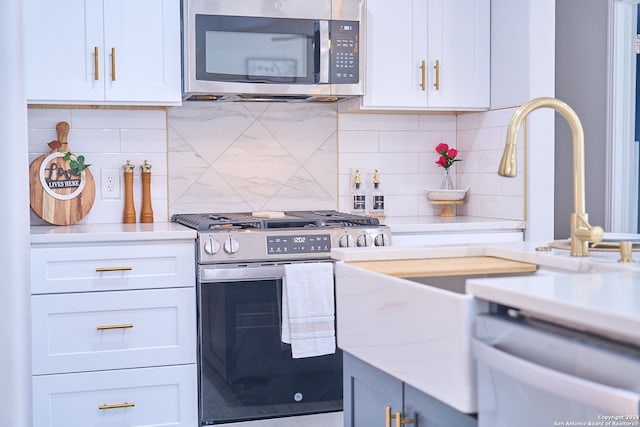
[
  {"x": 377, "y": 205},
  {"x": 359, "y": 199},
  {"x": 146, "y": 212},
  {"x": 129, "y": 214}
]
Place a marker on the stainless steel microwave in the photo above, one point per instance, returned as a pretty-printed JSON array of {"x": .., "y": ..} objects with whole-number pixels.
[{"x": 273, "y": 49}]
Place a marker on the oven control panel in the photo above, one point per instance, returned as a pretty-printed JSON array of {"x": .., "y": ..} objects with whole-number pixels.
[{"x": 298, "y": 244}]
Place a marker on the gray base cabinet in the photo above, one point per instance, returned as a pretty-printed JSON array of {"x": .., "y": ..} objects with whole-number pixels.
[{"x": 368, "y": 392}]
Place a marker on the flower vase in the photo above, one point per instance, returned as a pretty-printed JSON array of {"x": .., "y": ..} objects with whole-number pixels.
[{"x": 447, "y": 184}]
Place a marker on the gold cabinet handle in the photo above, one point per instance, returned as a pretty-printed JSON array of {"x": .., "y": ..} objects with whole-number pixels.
[
  {"x": 104, "y": 269},
  {"x": 108, "y": 327},
  {"x": 113, "y": 64},
  {"x": 397, "y": 416},
  {"x": 423, "y": 72},
  {"x": 437, "y": 68},
  {"x": 96, "y": 74},
  {"x": 117, "y": 406}
]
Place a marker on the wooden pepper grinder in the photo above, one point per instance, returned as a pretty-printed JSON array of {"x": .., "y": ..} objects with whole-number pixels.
[
  {"x": 146, "y": 212},
  {"x": 129, "y": 215}
]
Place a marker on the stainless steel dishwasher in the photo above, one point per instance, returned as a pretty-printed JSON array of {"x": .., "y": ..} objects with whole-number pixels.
[{"x": 532, "y": 373}]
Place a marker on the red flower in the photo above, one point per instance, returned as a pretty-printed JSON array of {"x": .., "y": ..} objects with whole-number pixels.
[
  {"x": 442, "y": 147},
  {"x": 447, "y": 155}
]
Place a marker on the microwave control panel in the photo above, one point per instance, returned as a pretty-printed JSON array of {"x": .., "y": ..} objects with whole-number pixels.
[{"x": 345, "y": 65}]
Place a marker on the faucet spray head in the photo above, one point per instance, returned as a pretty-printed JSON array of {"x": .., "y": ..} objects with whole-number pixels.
[{"x": 508, "y": 162}]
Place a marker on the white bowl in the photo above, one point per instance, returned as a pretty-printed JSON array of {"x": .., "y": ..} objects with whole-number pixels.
[{"x": 448, "y": 195}]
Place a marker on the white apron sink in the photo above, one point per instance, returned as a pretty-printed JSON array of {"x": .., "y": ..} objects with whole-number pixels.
[{"x": 413, "y": 319}]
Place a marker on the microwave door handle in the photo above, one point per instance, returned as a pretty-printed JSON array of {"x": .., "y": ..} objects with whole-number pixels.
[{"x": 325, "y": 51}]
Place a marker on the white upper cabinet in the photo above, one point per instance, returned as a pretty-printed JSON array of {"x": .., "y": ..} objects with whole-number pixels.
[
  {"x": 427, "y": 55},
  {"x": 94, "y": 52}
]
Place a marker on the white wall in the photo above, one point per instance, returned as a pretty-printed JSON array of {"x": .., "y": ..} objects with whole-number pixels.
[
  {"x": 15, "y": 334},
  {"x": 522, "y": 68},
  {"x": 581, "y": 76}
]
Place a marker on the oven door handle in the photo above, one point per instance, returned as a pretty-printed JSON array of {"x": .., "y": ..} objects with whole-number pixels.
[{"x": 208, "y": 274}]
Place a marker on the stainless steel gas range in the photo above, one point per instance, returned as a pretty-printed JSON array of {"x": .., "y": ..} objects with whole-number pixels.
[
  {"x": 300, "y": 235},
  {"x": 246, "y": 372}
]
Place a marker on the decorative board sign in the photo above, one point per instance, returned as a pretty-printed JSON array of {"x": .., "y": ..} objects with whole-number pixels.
[{"x": 62, "y": 190}]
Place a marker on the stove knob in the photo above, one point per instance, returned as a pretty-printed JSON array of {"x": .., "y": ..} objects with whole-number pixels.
[
  {"x": 212, "y": 246},
  {"x": 231, "y": 245},
  {"x": 381, "y": 240},
  {"x": 346, "y": 241},
  {"x": 364, "y": 240}
]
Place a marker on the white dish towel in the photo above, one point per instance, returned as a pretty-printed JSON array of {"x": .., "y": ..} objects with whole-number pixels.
[{"x": 308, "y": 313}]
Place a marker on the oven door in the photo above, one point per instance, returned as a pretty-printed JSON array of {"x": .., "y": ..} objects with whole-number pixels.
[{"x": 246, "y": 372}]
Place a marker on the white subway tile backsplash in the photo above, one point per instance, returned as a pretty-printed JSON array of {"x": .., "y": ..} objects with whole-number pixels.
[
  {"x": 378, "y": 122},
  {"x": 438, "y": 122},
  {"x": 118, "y": 119},
  {"x": 417, "y": 142},
  {"x": 46, "y": 118},
  {"x": 143, "y": 140},
  {"x": 354, "y": 141},
  {"x": 392, "y": 162}
]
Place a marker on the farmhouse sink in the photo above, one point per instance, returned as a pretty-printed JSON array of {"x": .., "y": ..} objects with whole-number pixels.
[{"x": 413, "y": 319}]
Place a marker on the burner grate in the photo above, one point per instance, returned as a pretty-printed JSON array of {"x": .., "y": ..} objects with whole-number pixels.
[{"x": 292, "y": 220}]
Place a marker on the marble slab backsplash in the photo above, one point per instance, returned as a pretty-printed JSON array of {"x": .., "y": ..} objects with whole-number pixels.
[
  {"x": 243, "y": 157},
  {"x": 224, "y": 157}
]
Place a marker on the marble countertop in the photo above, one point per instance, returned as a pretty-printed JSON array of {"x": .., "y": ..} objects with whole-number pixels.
[
  {"x": 79, "y": 233},
  {"x": 427, "y": 224},
  {"x": 595, "y": 293}
]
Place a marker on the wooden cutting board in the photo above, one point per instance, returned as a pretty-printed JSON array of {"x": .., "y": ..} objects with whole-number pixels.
[
  {"x": 57, "y": 194},
  {"x": 432, "y": 267}
]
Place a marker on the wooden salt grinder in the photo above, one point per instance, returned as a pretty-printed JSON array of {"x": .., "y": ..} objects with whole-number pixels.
[
  {"x": 146, "y": 212},
  {"x": 129, "y": 214}
]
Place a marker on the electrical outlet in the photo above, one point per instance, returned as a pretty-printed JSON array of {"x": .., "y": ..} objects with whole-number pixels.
[{"x": 110, "y": 183}]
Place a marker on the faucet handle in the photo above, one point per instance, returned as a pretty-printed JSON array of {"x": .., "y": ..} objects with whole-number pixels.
[{"x": 626, "y": 248}]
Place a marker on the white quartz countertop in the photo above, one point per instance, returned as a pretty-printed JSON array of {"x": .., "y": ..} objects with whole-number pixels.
[
  {"x": 428, "y": 224},
  {"x": 594, "y": 293},
  {"x": 79, "y": 233}
]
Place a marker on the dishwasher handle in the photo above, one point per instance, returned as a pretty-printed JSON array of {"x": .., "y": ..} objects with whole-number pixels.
[{"x": 618, "y": 401}]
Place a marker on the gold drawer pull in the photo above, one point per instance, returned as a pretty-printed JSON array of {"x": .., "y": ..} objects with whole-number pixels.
[
  {"x": 117, "y": 406},
  {"x": 105, "y": 269},
  {"x": 113, "y": 64},
  {"x": 108, "y": 327},
  {"x": 397, "y": 416},
  {"x": 95, "y": 63},
  {"x": 437, "y": 68},
  {"x": 423, "y": 71}
]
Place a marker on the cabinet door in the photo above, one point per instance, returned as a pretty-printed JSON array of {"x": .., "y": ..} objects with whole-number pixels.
[
  {"x": 425, "y": 411},
  {"x": 367, "y": 392},
  {"x": 458, "y": 46},
  {"x": 61, "y": 38},
  {"x": 149, "y": 397},
  {"x": 396, "y": 47},
  {"x": 142, "y": 44}
]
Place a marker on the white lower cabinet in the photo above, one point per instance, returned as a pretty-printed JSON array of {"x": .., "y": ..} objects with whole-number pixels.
[
  {"x": 79, "y": 332},
  {"x": 114, "y": 334},
  {"x": 162, "y": 396}
]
